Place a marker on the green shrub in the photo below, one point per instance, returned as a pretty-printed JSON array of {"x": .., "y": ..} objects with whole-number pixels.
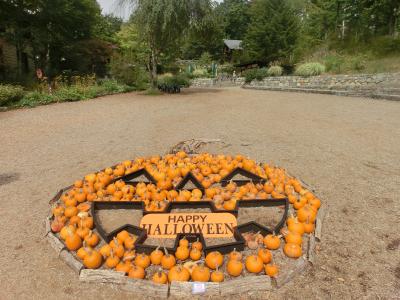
[
  {"x": 200, "y": 72},
  {"x": 310, "y": 69},
  {"x": 77, "y": 92},
  {"x": 255, "y": 74},
  {"x": 385, "y": 45},
  {"x": 275, "y": 71},
  {"x": 10, "y": 93},
  {"x": 169, "y": 82},
  {"x": 357, "y": 63},
  {"x": 334, "y": 63}
]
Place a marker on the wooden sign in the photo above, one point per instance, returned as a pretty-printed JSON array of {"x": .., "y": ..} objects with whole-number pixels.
[{"x": 211, "y": 225}]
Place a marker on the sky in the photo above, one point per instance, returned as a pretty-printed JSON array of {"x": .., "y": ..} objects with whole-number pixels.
[{"x": 110, "y": 6}]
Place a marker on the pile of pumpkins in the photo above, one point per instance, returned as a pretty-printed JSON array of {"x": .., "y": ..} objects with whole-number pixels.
[{"x": 74, "y": 225}]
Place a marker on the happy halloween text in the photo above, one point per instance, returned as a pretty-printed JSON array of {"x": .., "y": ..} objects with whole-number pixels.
[{"x": 209, "y": 224}]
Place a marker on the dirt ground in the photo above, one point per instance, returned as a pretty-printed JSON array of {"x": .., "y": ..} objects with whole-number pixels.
[{"x": 347, "y": 148}]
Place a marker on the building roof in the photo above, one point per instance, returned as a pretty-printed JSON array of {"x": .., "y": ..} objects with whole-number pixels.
[{"x": 233, "y": 44}]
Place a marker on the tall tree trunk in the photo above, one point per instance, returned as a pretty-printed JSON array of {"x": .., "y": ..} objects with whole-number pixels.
[{"x": 153, "y": 70}]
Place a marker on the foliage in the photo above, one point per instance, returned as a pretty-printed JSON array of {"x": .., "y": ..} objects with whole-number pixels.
[
  {"x": 75, "y": 92},
  {"x": 55, "y": 33},
  {"x": 200, "y": 72},
  {"x": 235, "y": 18},
  {"x": 275, "y": 71},
  {"x": 205, "y": 59},
  {"x": 272, "y": 32},
  {"x": 255, "y": 74},
  {"x": 172, "y": 83},
  {"x": 179, "y": 80},
  {"x": 310, "y": 69},
  {"x": 205, "y": 35},
  {"x": 160, "y": 25},
  {"x": 10, "y": 93}
]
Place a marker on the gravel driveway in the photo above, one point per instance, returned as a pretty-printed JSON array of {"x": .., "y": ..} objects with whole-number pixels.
[{"x": 347, "y": 148}]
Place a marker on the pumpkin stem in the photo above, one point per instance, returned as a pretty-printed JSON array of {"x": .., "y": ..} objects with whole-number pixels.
[{"x": 166, "y": 251}]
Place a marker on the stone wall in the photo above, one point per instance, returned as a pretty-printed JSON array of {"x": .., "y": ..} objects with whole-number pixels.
[
  {"x": 333, "y": 82},
  {"x": 213, "y": 82},
  {"x": 385, "y": 85}
]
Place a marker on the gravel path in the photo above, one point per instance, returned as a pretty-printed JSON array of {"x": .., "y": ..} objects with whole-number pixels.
[{"x": 347, "y": 148}]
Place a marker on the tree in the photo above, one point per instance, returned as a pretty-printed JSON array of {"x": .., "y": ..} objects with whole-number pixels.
[
  {"x": 52, "y": 30},
  {"x": 272, "y": 32},
  {"x": 235, "y": 18},
  {"x": 161, "y": 25},
  {"x": 206, "y": 35}
]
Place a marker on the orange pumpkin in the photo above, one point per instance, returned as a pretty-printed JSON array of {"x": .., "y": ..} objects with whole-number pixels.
[
  {"x": 178, "y": 273},
  {"x": 136, "y": 272},
  {"x": 234, "y": 267},
  {"x": 254, "y": 264},
  {"x": 214, "y": 260},
  {"x": 265, "y": 255},
  {"x": 142, "y": 260},
  {"x": 156, "y": 256},
  {"x": 93, "y": 259},
  {"x": 160, "y": 277},
  {"x": 217, "y": 276},
  {"x": 272, "y": 241},
  {"x": 271, "y": 270},
  {"x": 292, "y": 250},
  {"x": 201, "y": 273}
]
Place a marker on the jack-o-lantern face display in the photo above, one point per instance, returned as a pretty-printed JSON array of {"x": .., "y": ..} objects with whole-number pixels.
[{"x": 156, "y": 185}]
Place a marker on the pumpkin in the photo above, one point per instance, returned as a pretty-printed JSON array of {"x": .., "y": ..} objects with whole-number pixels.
[
  {"x": 58, "y": 211},
  {"x": 136, "y": 272},
  {"x": 160, "y": 277},
  {"x": 214, "y": 260},
  {"x": 57, "y": 225},
  {"x": 86, "y": 222},
  {"x": 197, "y": 245},
  {"x": 82, "y": 232},
  {"x": 124, "y": 267},
  {"x": 66, "y": 230},
  {"x": 308, "y": 227},
  {"x": 235, "y": 255},
  {"x": 294, "y": 238},
  {"x": 129, "y": 242},
  {"x": 93, "y": 259},
  {"x": 168, "y": 260},
  {"x": 82, "y": 252},
  {"x": 271, "y": 270},
  {"x": 112, "y": 261},
  {"x": 217, "y": 276},
  {"x": 117, "y": 248},
  {"x": 122, "y": 236},
  {"x": 296, "y": 227},
  {"x": 201, "y": 273},
  {"x": 195, "y": 254},
  {"x": 142, "y": 260},
  {"x": 315, "y": 202},
  {"x": 70, "y": 211},
  {"x": 299, "y": 203},
  {"x": 182, "y": 253},
  {"x": 265, "y": 255},
  {"x": 305, "y": 213},
  {"x": 92, "y": 239},
  {"x": 178, "y": 273},
  {"x": 292, "y": 250},
  {"x": 105, "y": 250},
  {"x": 272, "y": 241},
  {"x": 234, "y": 267},
  {"x": 156, "y": 256},
  {"x": 254, "y": 264},
  {"x": 73, "y": 241}
]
